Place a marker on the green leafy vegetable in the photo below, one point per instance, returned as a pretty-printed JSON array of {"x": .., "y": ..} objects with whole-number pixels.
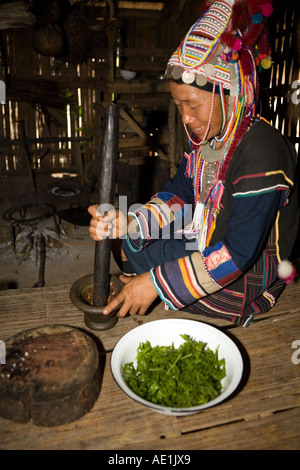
[{"x": 187, "y": 376}]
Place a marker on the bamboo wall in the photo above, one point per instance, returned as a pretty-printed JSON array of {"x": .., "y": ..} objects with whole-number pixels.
[
  {"x": 280, "y": 84},
  {"x": 62, "y": 98},
  {"x": 54, "y": 99}
]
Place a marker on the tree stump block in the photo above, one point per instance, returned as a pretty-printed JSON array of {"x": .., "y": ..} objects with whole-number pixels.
[{"x": 51, "y": 376}]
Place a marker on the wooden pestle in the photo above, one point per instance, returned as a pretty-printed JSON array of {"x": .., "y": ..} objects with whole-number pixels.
[{"x": 107, "y": 181}]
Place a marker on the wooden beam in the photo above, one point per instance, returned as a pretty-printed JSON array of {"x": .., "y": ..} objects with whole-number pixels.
[
  {"x": 129, "y": 5},
  {"x": 42, "y": 140},
  {"x": 14, "y": 14},
  {"x": 158, "y": 6}
]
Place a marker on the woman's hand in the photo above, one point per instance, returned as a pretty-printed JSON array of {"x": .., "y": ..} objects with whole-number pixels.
[
  {"x": 138, "y": 294},
  {"x": 113, "y": 224}
]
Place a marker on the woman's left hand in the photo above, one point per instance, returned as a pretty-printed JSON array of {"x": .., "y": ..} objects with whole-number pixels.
[{"x": 138, "y": 294}]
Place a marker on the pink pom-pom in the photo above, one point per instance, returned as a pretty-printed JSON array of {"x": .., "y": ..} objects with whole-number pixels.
[
  {"x": 267, "y": 9},
  {"x": 237, "y": 45}
]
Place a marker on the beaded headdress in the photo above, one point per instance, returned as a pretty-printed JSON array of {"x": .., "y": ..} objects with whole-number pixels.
[
  {"x": 225, "y": 47},
  {"x": 221, "y": 53}
]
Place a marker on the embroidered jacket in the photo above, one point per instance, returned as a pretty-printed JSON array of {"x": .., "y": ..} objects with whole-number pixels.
[{"x": 236, "y": 275}]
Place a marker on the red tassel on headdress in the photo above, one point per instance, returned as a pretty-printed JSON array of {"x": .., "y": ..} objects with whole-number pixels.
[
  {"x": 240, "y": 16},
  {"x": 246, "y": 62},
  {"x": 263, "y": 42},
  {"x": 254, "y": 32},
  {"x": 248, "y": 17},
  {"x": 232, "y": 41}
]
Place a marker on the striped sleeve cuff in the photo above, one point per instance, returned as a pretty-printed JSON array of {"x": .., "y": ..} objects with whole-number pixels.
[
  {"x": 160, "y": 212},
  {"x": 182, "y": 282}
]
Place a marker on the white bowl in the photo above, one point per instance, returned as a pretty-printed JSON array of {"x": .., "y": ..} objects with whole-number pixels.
[
  {"x": 127, "y": 74},
  {"x": 166, "y": 332}
]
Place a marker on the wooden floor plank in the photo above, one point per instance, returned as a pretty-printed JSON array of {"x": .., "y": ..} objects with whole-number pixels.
[
  {"x": 276, "y": 432},
  {"x": 264, "y": 414}
]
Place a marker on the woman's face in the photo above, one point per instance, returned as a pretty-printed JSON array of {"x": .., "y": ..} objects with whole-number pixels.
[{"x": 194, "y": 106}]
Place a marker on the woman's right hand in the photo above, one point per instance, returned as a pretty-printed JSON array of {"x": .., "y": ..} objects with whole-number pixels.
[{"x": 113, "y": 224}]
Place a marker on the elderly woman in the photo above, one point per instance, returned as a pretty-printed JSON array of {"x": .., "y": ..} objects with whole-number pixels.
[{"x": 216, "y": 239}]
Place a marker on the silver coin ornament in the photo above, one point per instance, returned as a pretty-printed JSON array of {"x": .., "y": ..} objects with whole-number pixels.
[
  {"x": 201, "y": 80},
  {"x": 188, "y": 77}
]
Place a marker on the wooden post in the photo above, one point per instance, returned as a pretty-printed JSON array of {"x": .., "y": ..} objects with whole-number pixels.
[{"x": 27, "y": 155}]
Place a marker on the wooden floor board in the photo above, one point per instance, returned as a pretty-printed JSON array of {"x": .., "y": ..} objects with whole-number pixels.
[{"x": 264, "y": 414}]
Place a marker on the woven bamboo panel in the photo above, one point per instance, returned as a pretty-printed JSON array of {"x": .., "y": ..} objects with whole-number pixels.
[{"x": 283, "y": 79}]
